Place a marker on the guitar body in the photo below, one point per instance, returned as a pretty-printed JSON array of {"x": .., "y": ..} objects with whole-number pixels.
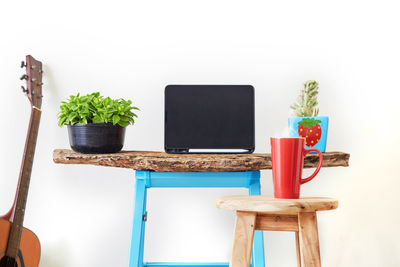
[{"x": 29, "y": 248}]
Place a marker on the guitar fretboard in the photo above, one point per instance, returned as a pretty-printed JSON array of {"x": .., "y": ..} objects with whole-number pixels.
[{"x": 22, "y": 192}]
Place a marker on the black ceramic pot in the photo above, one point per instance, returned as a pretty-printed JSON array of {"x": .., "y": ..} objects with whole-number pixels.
[{"x": 96, "y": 137}]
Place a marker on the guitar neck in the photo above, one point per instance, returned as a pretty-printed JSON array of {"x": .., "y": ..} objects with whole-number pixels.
[{"x": 23, "y": 186}]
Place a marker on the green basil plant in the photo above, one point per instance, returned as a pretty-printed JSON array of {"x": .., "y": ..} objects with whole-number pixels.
[{"x": 94, "y": 108}]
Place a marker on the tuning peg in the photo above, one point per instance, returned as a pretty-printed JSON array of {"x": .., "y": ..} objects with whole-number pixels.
[
  {"x": 23, "y": 64},
  {"x": 24, "y": 77},
  {"x": 23, "y": 89}
]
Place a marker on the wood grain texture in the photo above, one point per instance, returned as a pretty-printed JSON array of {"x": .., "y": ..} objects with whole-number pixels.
[
  {"x": 273, "y": 222},
  {"x": 308, "y": 240},
  {"x": 29, "y": 244},
  {"x": 163, "y": 162},
  {"x": 243, "y": 239},
  {"x": 268, "y": 204},
  {"x": 298, "y": 253}
]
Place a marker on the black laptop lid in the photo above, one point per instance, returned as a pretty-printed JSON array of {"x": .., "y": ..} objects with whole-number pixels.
[{"x": 209, "y": 117}]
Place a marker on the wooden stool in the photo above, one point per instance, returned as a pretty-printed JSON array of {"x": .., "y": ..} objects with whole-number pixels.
[{"x": 273, "y": 214}]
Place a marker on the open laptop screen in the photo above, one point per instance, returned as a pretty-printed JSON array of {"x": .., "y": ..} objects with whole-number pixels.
[{"x": 209, "y": 118}]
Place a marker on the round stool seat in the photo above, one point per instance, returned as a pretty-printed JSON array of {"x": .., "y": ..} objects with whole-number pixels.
[{"x": 268, "y": 204}]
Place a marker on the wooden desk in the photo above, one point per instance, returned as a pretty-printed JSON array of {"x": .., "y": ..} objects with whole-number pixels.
[
  {"x": 159, "y": 169},
  {"x": 163, "y": 162}
]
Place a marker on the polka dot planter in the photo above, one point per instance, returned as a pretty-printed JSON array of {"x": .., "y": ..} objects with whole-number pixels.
[{"x": 314, "y": 129}]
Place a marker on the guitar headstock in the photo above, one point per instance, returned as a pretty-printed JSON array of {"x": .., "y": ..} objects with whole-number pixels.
[{"x": 33, "y": 79}]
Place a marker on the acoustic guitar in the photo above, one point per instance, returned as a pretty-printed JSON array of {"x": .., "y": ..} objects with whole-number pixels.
[{"x": 20, "y": 247}]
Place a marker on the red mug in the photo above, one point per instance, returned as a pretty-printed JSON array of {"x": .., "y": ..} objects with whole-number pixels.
[{"x": 287, "y": 166}]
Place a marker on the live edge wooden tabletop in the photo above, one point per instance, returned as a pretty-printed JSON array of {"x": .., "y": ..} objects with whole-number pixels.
[{"x": 163, "y": 162}]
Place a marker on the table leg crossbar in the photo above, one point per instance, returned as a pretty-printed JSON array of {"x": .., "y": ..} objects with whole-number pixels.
[
  {"x": 150, "y": 179},
  {"x": 186, "y": 264}
]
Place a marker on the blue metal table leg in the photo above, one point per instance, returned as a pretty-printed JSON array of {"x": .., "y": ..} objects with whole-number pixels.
[
  {"x": 137, "y": 239},
  {"x": 258, "y": 258},
  {"x": 148, "y": 179}
]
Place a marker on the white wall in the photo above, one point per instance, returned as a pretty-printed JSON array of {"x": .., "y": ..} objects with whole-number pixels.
[{"x": 133, "y": 49}]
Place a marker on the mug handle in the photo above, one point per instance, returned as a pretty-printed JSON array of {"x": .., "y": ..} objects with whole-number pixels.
[{"x": 306, "y": 151}]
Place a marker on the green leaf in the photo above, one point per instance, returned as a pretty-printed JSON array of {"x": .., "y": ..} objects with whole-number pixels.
[
  {"x": 123, "y": 123},
  {"x": 97, "y": 119},
  {"x": 62, "y": 121},
  {"x": 115, "y": 119},
  {"x": 72, "y": 116}
]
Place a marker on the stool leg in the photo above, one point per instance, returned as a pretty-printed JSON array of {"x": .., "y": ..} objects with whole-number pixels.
[
  {"x": 137, "y": 239},
  {"x": 308, "y": 239},
  {"x": 298, "y": 250},
  {"x": 243, "y": 239},
  {"x": 258, "y": 258}
]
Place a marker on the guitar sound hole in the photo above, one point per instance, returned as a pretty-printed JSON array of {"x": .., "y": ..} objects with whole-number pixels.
[{"x": 8, "y": 262}]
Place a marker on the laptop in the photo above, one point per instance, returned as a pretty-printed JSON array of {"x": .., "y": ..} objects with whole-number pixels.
[{"x": 209, "y": 119}]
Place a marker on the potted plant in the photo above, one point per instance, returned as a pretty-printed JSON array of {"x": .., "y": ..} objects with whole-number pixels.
[
  {"x": 96, "y": 124},
  {"x": 307, "y": 123}
]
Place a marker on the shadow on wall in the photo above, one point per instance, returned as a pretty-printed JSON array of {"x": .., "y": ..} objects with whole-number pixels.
[
  {"x": 56, "y": 254},
  {"x": 50, "y": 87}
]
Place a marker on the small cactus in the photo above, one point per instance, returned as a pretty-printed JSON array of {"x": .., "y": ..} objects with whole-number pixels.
[{"x": 306, "y": 105}]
